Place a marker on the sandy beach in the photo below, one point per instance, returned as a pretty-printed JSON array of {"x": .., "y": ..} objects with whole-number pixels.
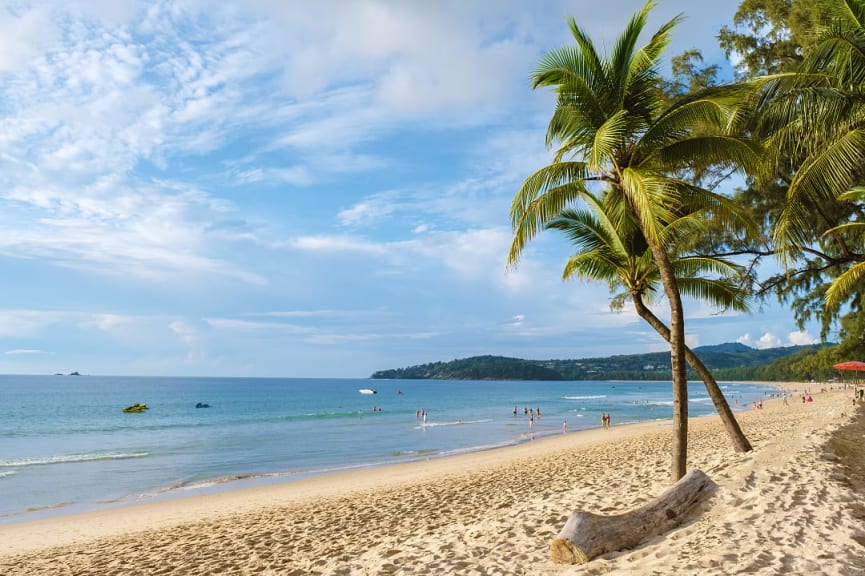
[{"x": 788, "y": 507}]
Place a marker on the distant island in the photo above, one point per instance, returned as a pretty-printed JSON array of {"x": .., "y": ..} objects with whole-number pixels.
[{"x": 731, "y": 361}]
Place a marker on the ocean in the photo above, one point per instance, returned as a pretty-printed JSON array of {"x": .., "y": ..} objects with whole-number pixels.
[{"x": 66, "y": 445}]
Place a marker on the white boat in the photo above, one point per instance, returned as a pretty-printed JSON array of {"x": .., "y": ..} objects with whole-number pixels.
[{"x": 367, "y": 391}]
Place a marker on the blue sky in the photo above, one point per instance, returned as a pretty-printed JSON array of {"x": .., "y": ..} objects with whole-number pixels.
[{"x": 287, "y": 188}]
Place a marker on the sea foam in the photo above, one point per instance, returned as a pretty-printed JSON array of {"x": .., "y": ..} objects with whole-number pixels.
[{"x": 69, "y": 458}]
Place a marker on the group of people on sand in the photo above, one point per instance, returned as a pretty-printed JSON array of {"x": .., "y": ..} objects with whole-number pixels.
[{"x": 605, "y": 420}]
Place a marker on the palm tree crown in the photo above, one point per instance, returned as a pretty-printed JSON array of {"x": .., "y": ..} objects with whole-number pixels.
[{"x": 614, "y": 130}]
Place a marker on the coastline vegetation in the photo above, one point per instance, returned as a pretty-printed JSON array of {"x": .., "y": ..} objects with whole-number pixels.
[{"x": 726, "y": 361}]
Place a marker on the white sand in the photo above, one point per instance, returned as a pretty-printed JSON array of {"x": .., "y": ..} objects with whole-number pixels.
[{"x": 778, "y": 510}]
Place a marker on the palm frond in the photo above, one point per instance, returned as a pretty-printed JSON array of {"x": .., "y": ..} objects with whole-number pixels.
[
  {"x": 646, "y": 58},
  {"x": 720, "y": 293},
  {"x": 792, "y": 231},
  {"x": 855, "y": 194},
  {"x": 541, "y": 198},
  {"x": 651, "y": 197},
  {"x": 704, "y": 151},
  {"x": 584, "y": 230},
  {"x": 592, "y": 266},
  {"x": 845, "y": 285},
  {"x": 855, "y": 227},
  {"x": 721, "y": 209},
  {"x": 829, "y": 173},
  {"x": 692, "y": 266},
  {"x": 607, "y": 139}
]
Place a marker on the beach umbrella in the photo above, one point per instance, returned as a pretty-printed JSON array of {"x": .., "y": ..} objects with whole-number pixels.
[
  {"x": 853, "y": 365},
  {"x": 850, "y": 365}
]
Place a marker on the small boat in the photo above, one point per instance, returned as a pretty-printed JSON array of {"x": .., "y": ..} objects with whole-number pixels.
[
  {"x": 202, "y": 405},
  {"x": 136, "y": 408},
  {"x": 367, "y": 391}
]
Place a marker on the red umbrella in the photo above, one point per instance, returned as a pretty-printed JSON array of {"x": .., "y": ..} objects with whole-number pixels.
[{"x": 850, "y": 365}]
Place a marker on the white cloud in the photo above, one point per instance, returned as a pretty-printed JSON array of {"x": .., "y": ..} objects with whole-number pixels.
[
  {"x": 249, "y": 326},
  {"x": 399, "y": 45},
  {"x": 802, "y": 338},
  {"x": 23, "y": 36},
  {"x": 472, "y": 254},
  {"x": 369, "y": 211},
  {"x": 296, "y": 175},
  {"x": 27, "y": 352},
  {"x": 346, "y": 315},
  {"x": 517, "y": 321},
  {"x": 18, "y": 323},
  {"x": 340, "y": 244},
  {"x": 191, "y": 338},
  {"x": 108, "y": 322},
  {"x": 767, "y": 340}
]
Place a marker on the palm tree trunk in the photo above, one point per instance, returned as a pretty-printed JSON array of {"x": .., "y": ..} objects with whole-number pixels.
[
  {"x": 740, "y": 441},
  {"x": 677, "y": 361}
]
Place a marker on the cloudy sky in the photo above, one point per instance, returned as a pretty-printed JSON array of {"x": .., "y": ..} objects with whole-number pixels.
[{"x": 293, "y": 188}]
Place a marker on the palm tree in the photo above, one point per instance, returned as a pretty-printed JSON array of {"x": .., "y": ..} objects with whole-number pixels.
[
  {"x": 816, "y": 117},
  {"x": 615, "y": 252},
  {"x": 614, "y": 129}
]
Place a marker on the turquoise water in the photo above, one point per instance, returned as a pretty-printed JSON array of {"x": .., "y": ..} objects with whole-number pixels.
[{"x": 66, "y": 445}]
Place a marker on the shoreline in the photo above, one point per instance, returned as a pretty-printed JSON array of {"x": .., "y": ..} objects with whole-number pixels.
[
  {"x": 493, "y": 511},
  {"x": 161, "y": 512},
  {"x": 243, "y": 480}
]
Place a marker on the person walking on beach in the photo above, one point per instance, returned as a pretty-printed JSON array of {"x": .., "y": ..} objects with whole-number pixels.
[
  {"x": 531, "y": 420},
  {"x": 565, "y": 424}
]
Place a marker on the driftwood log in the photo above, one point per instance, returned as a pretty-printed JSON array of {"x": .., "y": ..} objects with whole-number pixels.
[{"x": 586, "y": 535}]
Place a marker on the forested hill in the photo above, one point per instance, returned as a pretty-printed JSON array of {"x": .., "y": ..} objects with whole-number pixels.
[
  {"x": 736, "y": 360},
  {"x": 475, "y": 368}
]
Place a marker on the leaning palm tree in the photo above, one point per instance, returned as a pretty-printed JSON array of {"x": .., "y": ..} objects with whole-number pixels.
[
  {"x": 612, "y": 127},
  {"x": 613, "y": 251}
]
